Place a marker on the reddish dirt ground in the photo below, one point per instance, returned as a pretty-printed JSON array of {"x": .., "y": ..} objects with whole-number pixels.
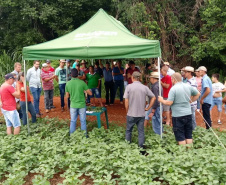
[{"x": 117, "y": 114}]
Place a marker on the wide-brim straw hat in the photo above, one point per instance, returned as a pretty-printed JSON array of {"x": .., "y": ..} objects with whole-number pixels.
[{"x": 154, "y": 75}]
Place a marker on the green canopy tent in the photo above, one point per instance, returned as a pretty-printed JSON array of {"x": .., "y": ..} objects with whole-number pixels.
[{"x": 101, "y": 37}]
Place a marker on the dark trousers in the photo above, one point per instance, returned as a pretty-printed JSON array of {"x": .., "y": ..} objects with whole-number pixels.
[
  {"x": 62, "y": 93},
  {"x": 206, "y": 114},
  {"x": 100, "y": 88},
  {"x": 20, "y": 113},
  {"x": 139, "y": 121},
  {"x": 120, "y": 84},
  {"x": 48, "y": 97},
  {"x": 30, "y": 109},
  {"x": 109, "y": 87}
]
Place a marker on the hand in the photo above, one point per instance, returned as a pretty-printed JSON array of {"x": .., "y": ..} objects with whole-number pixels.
[
  {"x": 151, "y": 115},
  {"x": 160, "y": 99},
  {"x": 146, "y": 109},
  {"x": 201, "y": 101}
]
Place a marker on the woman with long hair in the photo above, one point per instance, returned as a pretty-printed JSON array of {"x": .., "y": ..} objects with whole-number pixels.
[{"x": 20, "y": 83}]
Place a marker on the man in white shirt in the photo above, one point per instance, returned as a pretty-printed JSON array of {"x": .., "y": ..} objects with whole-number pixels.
[
  {"x": 170, "y": 71},
  {"x": 33, "y": 77},
  {"x": 218, "y": 88}
]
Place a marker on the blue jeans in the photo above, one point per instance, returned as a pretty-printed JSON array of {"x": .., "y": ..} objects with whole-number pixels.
[
  {"x": 120, "y": 84},
  {"x": 193, "y": 109},
  {"x": 62, "y": 93},
  {"x": 74, "y": 112},
  {"x": 30, "y": 109},
  {"x": 139, "y": 121},
  {"x": 198, "y": 102},
  {"x": 36, "y": 95},
  {"x": 156, "y": 122},
  {"x": 218, "y": 103}
]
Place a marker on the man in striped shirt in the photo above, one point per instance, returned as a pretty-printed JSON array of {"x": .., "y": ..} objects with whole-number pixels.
[
  {"x": 189, "y": 72},
  {"x": 47, "y": 84}
]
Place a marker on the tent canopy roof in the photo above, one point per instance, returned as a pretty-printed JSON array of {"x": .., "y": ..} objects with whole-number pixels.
[{"x": 101, "y": 37}]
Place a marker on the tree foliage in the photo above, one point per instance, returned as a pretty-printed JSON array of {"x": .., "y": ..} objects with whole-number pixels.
[{"x": 190, "y": 32}]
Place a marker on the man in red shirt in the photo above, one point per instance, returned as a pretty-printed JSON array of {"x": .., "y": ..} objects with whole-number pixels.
[
  {"x": 166, "y": 85},
  {"x": 47, "y": 77},
  {"x": 48, "y": 62},
  {"x": 130, "y": 71},
  {"x": 8, "y": 104}
]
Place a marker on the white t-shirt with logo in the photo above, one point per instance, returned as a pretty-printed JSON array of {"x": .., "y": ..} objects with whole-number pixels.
[
  {"x": 218, "y": 87},
  {"x": 192, "y": 82}
]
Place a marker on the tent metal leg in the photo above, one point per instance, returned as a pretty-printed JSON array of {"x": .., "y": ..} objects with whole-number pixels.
[
  {"x": 25, "y": 88},
  {"x": 160, "y": 95}
]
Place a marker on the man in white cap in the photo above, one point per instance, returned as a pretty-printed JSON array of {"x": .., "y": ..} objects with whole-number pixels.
[
  {"x": 135, "y": 103},
  {"x": 170, "y": 71},
  {"x": 47, "y": 77},
  {"x": 189, "y": 72},
  {"x": 155, "y": 113},
  {"x": 206, "y": 95},
  {"x": 61, "y": 79}
]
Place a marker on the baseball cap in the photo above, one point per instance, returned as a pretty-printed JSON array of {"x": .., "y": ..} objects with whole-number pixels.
[
  {"x": 44, "y": 65},
  {"x": 62, "y": 60},
  {"x": 154, "y": 75},
  {"x": 131, "y": 62},
  {"x": 9, "y": 76},
  {"x": 136, "y": 74},
  {"x": 166, "y": 63},
  {"x": 48, "y": 61},
  {"x": 74, "y": 72},
  {"x": 202, "y": 68},
  {"x": 189, "y": 68}
]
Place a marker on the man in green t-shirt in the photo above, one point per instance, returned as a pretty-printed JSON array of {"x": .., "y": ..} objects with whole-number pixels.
[
  {"x": 94, "y": 81},
  {"x": 180, "y": 97},
  {"x": 75, "y": 89}
]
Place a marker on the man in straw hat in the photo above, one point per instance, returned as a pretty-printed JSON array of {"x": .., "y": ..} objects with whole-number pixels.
[
  {"x": 179, "y": 100},
  {"x": 155, "y": 113},
  {"x": 135, "y": 103},
  {"x": 206, "y": 96},
  {"x": 189, "y": 72}
]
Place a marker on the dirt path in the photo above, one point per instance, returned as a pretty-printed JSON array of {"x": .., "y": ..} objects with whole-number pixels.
[{"x": 117, "y": 114}]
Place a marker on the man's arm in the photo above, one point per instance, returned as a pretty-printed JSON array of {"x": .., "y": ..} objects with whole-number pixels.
[
  {"x": 67, "y": 95},
  {"x": 220, "y": 91},
  {"x": 16, "y": 93},
  {"x": 101, "y": 65},
  {"x": 194, "y": 98},
  {"x": 28, "y": 75},
  {"x": 83, "y": 77},
  {"x": 165, "y": 102},
  {"x": 48, "y": 79},
  {"x": 152, "y": 101},
  {"x": 127, "y": 104},
  {"x": 165, "y": 85},
  {"x": 89, "y": 92},
  {"x": 99, "y": 81},
  {"x": 207, "y": 91}
]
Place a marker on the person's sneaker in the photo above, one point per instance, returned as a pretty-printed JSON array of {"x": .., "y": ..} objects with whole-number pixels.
[
  {"x": 198, "y": 110},
  {"x": 38, "y": 115},
  {"x": 62, "y": 109},
  {"x": 121, "y": 102},
  {"x": 47, "y": 111},
  {"x": 219, "y": 122},
  {"x": 53, "y": 107}
]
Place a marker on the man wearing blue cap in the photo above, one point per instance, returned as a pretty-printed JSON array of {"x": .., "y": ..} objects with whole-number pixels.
[{"x": 8, "y": 104}]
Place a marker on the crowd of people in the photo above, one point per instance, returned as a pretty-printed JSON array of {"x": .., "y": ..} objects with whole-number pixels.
[{"x": 182, "y": 94}]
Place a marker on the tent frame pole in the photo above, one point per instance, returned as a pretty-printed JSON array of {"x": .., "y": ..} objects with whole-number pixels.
[
  {"x": 160, "y": 104},
  {"x": 25, "y": 89}
]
